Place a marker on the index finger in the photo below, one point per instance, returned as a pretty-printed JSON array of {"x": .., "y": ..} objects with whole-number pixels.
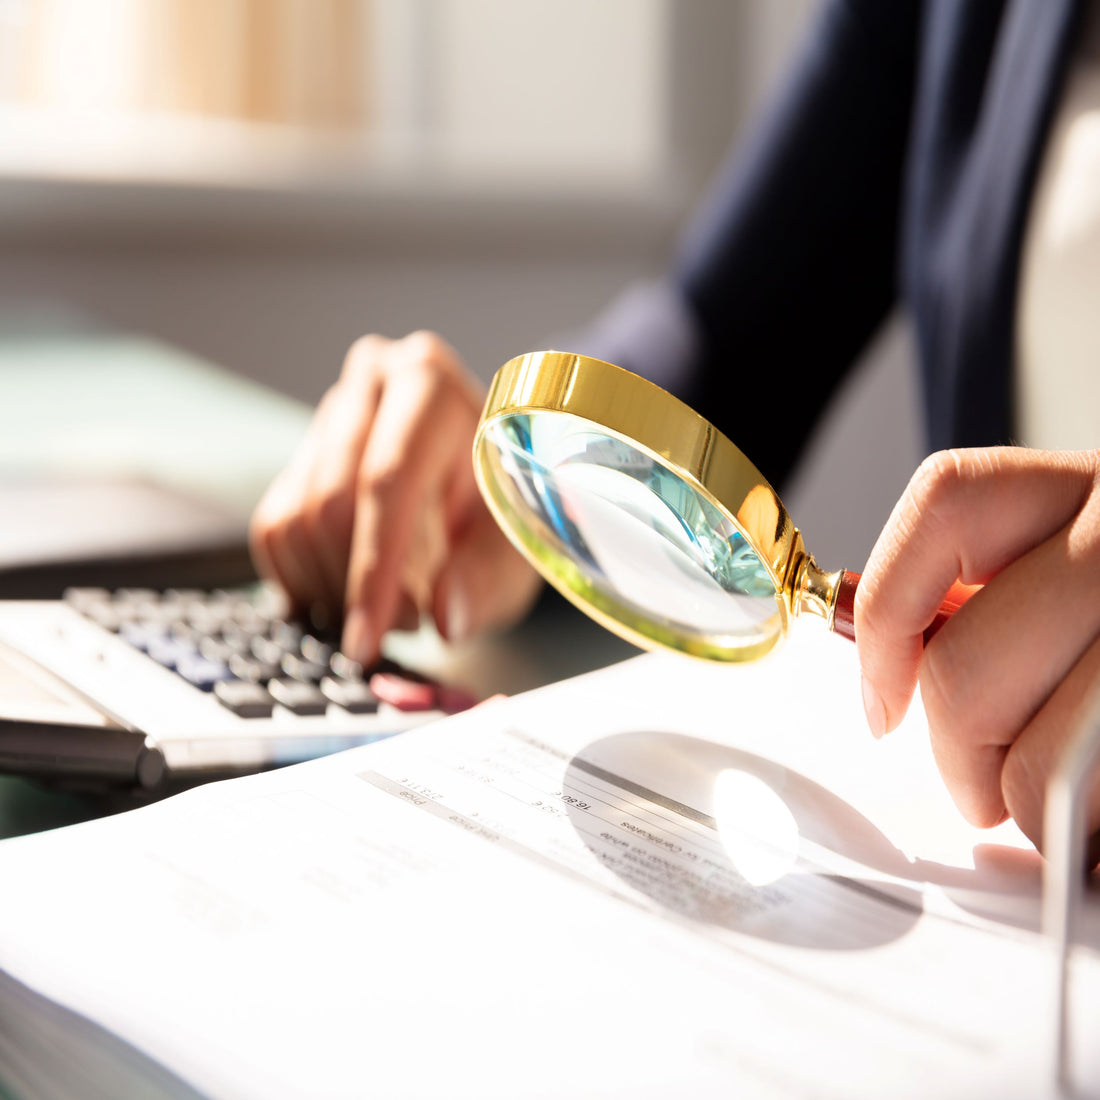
[
  {"x": 965, "y": 515},
  {"x": 422, "y": 427}
]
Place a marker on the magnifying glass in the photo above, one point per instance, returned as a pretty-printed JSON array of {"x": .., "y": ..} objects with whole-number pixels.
[{"x": 645, "y": 516}]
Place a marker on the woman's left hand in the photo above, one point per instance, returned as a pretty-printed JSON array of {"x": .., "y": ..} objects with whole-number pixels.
[{"x": 1004, "y": 681}]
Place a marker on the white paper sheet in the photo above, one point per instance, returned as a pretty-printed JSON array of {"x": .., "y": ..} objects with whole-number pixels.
[{"x": 661, "y": 879}]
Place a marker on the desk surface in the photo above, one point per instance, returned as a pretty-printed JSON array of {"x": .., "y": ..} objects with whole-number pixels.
[
  {"x": 125, "y": 454},
  {"x": 106, "y": 407}
]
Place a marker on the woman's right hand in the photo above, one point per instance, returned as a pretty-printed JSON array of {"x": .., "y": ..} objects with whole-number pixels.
[{"x": 378, "y": 515}]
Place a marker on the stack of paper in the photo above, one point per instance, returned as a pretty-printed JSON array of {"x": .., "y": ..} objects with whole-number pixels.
[{"x": 662, "y": 879}]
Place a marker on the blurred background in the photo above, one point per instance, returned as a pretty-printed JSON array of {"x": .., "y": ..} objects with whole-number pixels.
[{"x": 259, "y": 182}]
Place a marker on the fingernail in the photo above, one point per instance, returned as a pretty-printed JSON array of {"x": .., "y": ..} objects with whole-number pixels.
[
  {"x": 458, "y": 613},
  {"x": 356, "y": 642},
  {"x": 873, "y": 708}
]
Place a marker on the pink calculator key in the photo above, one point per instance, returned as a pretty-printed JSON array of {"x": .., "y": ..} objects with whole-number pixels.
[
  {"x": 402, "y": 693},
  {"x": 453, "y": 699}
]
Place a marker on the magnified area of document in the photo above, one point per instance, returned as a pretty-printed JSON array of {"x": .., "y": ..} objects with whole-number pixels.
[
  {"x": 739, "y": 864},
  {"x": 730, "y": 866},
  {"x": 746, "y": 809}
]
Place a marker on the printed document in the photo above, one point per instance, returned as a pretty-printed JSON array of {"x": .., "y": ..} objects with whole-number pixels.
[{"x": 662, "y": 879}]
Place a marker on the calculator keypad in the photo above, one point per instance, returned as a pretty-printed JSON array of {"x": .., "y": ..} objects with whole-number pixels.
[{"x": 236, "y": 645}]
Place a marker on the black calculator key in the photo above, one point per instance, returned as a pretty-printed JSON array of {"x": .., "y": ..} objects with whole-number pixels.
[
  {"x": 345, "y": 668},
  {"x": 244, "y": 699},
  {"x": 287, "y": 636},
  {"x": 169, "y": 651},
  {"x": 249, "y": 668},
  {"x": 204, "y": 674},
  {"x": 215, "y": 649},
  {"x": 299, "y": 669},
  {"x": 249, "y": 620},
  {"x": 205, "y": 620},
  {"x": 268, "y": 651},
  {"x": 316, "y": 649},
  {"x": 353, "y": 695},
  {"x": 141, "y": 634},
  {"x": 298, "y": 697},
  {"x": 183, "y": 631},
  {"x": 239, "y": 639}
]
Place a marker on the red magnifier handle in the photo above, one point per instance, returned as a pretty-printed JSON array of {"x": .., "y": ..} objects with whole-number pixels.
[{"x": 844, "y": 616}]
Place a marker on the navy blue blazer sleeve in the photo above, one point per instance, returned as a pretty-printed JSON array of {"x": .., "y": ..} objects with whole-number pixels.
[{"x": 791, "y": 263}]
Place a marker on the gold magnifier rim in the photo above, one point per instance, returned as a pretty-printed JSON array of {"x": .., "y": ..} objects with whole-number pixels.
[{"x": 640, "y": 413}]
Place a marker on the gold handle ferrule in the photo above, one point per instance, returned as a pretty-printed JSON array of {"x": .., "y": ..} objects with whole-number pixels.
[{"x": 814, "y": 590}]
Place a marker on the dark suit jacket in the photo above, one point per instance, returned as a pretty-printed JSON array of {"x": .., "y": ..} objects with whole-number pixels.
[{"x": 898, "y": 162}]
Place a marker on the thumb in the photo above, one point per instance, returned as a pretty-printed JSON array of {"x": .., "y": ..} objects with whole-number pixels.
[{"x": 486, "y": 583}]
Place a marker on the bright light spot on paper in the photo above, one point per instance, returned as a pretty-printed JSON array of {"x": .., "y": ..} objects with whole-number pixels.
[{"x": 757, "y": 830}]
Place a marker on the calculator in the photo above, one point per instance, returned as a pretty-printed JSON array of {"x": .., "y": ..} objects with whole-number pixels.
[{"x": 138, "y": 687}]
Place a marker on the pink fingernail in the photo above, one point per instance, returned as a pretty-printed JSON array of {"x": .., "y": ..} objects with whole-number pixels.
[{"x": 873, "y": 707}]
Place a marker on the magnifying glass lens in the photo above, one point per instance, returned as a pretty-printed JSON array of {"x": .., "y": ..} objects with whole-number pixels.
[
  {"x": 608, "y": 522},
  {"x": 646, "y": 516}
]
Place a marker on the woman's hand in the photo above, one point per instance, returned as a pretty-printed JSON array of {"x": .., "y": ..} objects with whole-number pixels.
[
  {"x": 378, "y": 516},
  {"x": 1004, "y": 681}
]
